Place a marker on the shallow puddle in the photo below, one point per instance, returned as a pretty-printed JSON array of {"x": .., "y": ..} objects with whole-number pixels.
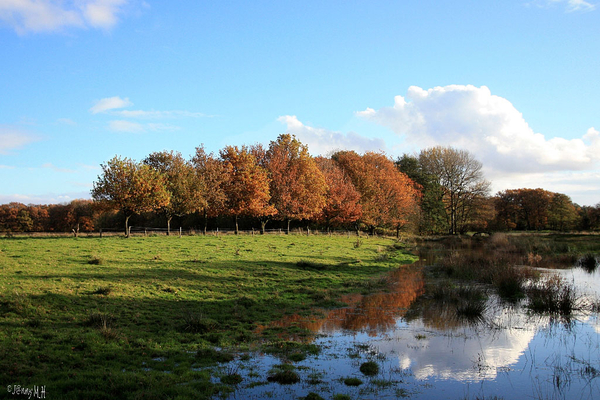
[{"x": 508, "y": 353}]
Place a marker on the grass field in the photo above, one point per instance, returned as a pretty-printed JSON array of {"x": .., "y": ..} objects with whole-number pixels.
[{"x": 139, "y": 318}]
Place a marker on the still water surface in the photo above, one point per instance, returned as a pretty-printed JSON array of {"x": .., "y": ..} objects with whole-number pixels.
[{"x": 430, "y": 354}]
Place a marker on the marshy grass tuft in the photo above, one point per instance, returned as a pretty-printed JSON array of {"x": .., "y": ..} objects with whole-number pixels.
[
  {"x": 99, "y": 320},
  {"x": 209, "y": 356},
  {"x": 284, "y": 374},
  {"x": 369, "y": 368},
  {"x": 312, "y": 396},
  {"x": 104, "y": 291},
  {"x": 342, "y": 397},
  {"x": 553, "y": 296},
  {"x": 232, "y": 377},
  {"x": 297, "y": 357},
  {"x": 197, "y": 323},
  {"x": 588, "y": 262},
  {"x": 352, "y": 382},
  {"x": 309, "y": 265},
  {"x": 95, "y": 260}
]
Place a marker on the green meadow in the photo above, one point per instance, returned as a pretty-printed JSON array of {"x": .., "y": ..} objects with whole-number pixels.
[{"x": 105, "y": 318}]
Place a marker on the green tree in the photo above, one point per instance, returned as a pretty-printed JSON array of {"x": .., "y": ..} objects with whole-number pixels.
[
  {"x": 432, "y": 216},
  {"x": 562, "y": 213},
  {"x": 461, "y": 178}
]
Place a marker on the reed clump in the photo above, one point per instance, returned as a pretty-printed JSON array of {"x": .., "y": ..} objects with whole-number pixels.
[{"x": 553, "y": 296}]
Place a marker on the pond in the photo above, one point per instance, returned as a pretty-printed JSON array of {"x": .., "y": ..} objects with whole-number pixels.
[{"x": 427, "y": 352}]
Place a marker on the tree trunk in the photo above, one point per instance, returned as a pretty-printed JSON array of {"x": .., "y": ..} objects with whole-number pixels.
[
  {"x": 205, "y": 221},
  {"x": 127, "y": 225},
  {"x": 169, "y": 226},
  {"x": 397, "y": 231},
  {"x": 262, "y": 226},
  {"x": 288, "y": 226},
  {"x": 236, "y": 225}
]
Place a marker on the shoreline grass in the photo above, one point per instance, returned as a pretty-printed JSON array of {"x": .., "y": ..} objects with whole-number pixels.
[{"x": 110, "y": 329}]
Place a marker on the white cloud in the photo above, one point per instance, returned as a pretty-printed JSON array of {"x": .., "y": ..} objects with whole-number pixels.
[
  {"x": 135, "y": 127},
  {"x": 487, "y": 125},
  {"x": 126, "y": 126},
  {"x": 13, "y": 138},
  {"x": 50, "y": 16},
  {"x": 322, "y": 141},
  {"x": 58, "y": 169},
  {"x": 159, "y": 114},
  {"x": 102, "y": 13},
  {"x": 110, "y": 103},
  {"x": 162, "y": 127},
  {"x": 49, "y": 198},
  {"x": 570, "y": 5},
  {"x": 66, "y": 121},
  {"x": 579, "y": 5}
]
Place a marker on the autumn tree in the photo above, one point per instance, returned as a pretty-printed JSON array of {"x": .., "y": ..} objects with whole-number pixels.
[
  {"x": 461, "y": 177},
  {"x": 78, "y": 215},
  {"x": 343, "y": 200},
  {"x": 130, "y": 187},
  {"x": 535, "y": 204},
  {"x": 387, "y": 196},
  {"x": 297, "y": 186},
  {"x": 11, "y": 216},
  {"x": 589, "y": 217},
  {"x": 534, "y": 209},
  {"x": 246, "y": 184},
  {"x": 186, "y": 191},
  {"x": 508, "y": 209},
  {"x": 210, "y": 174}
]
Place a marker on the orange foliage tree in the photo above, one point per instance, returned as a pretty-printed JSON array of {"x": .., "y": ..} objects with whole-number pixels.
[
  {"x": 130, "y": 187},
  {"x": 388, "y": 196},
  {"x": 298, "y": 187},
  {"x": 186, "y": 192},
  {"x": 246, "y": 184},
  {"x": 211, "y": 175},
  {"x": 534, "y": 209},
  {"x": 343, "y": 200}
]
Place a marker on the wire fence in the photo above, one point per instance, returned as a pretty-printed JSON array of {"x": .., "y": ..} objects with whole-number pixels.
[{"x": 141, "y": 231}]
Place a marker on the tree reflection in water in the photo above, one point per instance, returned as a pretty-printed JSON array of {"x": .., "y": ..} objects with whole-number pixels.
[{"x": 374, "y": 314}]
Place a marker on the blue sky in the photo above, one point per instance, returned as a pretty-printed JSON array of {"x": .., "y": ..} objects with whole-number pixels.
[{"x": 514, "y": 82}]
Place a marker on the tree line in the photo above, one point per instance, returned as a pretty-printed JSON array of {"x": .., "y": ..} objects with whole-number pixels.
[{"x": 439, "y": 191}]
